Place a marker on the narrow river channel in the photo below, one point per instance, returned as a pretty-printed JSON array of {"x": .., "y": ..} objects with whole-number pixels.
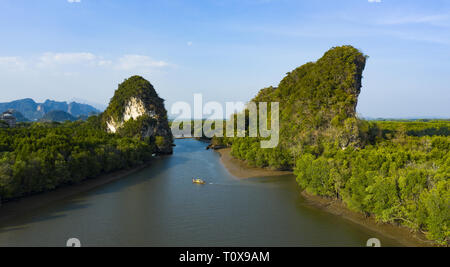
[{"x": 159, "y": 206}]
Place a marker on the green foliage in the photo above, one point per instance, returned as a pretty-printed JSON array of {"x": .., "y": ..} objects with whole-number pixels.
[
  {"x": 415, "y": 128},
  {"x": 135, "y": 86},
  {"x": 151, "y": 120},
  {"x": 4, "y": 124},
  {"x": 317, "y": 105},
  {"x": 435, "y": 205},
  {"x": 404, "y": 180},
  {"x": 44, "y": 156},
  {"x": 318, "y": 99},
  {"x": 314, "y": 175},
  {"x": 397, "y": 171},
  {"x": 249, "y": 150},
  {"x": 137, "y": 128},
  {"x": 162, "y": 142}
]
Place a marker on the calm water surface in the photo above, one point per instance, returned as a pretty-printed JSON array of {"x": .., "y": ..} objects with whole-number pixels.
[{"x": 159, "y": 206}]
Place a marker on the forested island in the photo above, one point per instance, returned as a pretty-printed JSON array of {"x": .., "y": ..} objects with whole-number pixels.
[
  {"x": 396, "y": 171},
  {"x": 41, "y": 156}
]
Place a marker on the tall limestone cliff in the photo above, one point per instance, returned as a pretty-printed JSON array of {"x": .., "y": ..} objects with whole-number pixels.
[
  {"x": 317, "y": 109},
  {"x": 320, "y": 99},
  {"x": 136, "y": 110}
]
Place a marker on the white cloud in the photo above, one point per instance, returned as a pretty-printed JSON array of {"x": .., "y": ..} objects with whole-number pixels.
[
  {"x": 64, "y": 75},
  {"x": 74, "y": 1},
  {"x": 50, "y": 59},
  {"x": 12, "y": 63},
  {"x": 78, "y": 62},
  {"x": 136, "y": 62},
  {"x": 105, "y": 62},
  {"x": 374, "y": 1}
]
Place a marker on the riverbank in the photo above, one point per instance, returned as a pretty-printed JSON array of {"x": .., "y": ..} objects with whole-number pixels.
[
  {"x": 27, "y": 204},
  {"x": 240, "y": 169},
  {"x": 402, "y": 234}
]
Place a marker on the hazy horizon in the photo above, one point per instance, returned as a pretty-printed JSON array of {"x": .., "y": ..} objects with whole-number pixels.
[{"x": 226, "y": 50}]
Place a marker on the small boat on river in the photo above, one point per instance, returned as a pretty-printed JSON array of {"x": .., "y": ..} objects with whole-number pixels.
[{"x": 198, "y": 181}]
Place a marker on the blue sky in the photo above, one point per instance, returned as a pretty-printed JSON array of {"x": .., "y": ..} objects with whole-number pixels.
[{"x": 225, "y": 49}]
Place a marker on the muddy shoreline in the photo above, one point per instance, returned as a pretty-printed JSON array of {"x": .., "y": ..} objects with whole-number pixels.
[
  {"x": 241, "y": 170},
  {"x": 237, "y": 168},
  {"x": 23, "y": 205},
  {"x": 402, "y": 234}
]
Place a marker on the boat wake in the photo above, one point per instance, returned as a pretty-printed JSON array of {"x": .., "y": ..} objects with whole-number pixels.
[{"x": 223, "y": 184}]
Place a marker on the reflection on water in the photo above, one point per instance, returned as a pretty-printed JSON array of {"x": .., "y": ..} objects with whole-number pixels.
[{"x": 159, "y": 206}]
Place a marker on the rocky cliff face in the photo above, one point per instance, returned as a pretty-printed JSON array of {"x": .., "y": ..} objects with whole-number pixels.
[
  {"x": 318, "y": 100},
  {"x": 134, "y": 109},
  {"x": 137, "y": 110}
]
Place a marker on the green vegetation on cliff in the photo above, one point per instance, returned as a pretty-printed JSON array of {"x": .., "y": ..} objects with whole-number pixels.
[
  {"x": 397, "y": 172},
  {"x": 44, "y": 156},
  {"x": 136, "y": 110},
  {"x": 318, "y": 100},
  {"x": 133, "y": 87},
  {"x": 38, "y": 157},
  {"x": 317, "y": 104}
]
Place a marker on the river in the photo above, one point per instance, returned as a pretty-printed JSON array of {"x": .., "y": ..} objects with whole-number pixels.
[{"x": 159, "y": 206}]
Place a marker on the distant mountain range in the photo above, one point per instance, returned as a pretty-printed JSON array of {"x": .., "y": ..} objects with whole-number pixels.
[
  {"x": 36, "y": 111},
  {"x": 19, "y": 116},
  {"x": 57, "y": 115}
]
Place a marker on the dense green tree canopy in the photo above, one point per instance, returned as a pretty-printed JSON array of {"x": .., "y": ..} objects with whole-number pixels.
[
  {"x": 37, "y": 157},
  {"x": 396, "y": 171},
  {"x": 44, "y": 156}
]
